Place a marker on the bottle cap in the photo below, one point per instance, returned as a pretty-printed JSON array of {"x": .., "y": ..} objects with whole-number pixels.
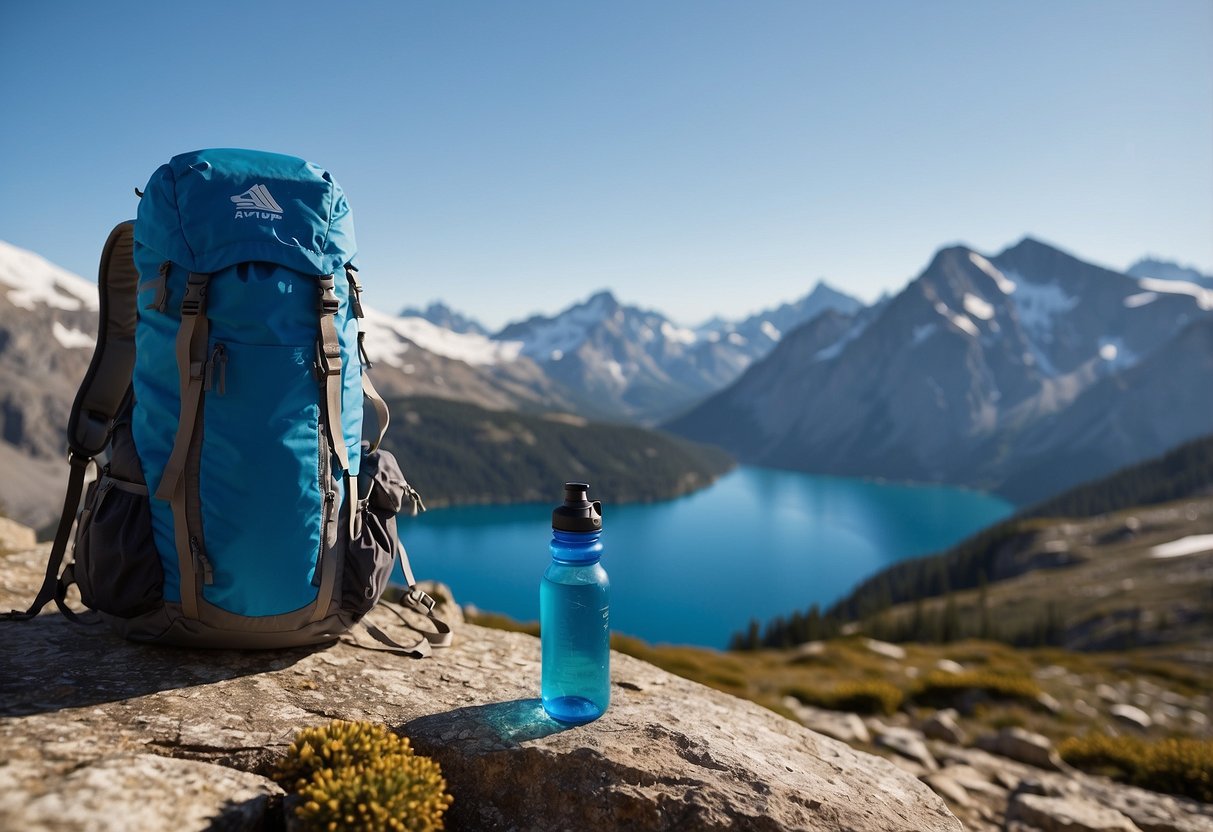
[{"x": 577, "y": 514}]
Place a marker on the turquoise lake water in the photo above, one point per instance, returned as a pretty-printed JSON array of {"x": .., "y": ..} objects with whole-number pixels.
[{"x": 694, "y": 570}]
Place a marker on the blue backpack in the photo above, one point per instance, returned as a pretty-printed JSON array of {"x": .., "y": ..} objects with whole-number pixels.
[{"x": 238, "y": 505}]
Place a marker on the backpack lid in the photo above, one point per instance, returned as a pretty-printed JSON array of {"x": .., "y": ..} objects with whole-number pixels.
[{"x": 210, "y": 209}]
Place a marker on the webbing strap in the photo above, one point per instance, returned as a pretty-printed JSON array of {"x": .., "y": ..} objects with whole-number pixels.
[
  {"x": 192, "y": 336},
  {"x": 369, "y": 393},
  {"x": 421, "y": 602},
  {"x": 379, "y": 640},
  {"x": 63, "y": 533},
  {"x": 382, "y": 416},
  {"x": 329, "y": 364}
]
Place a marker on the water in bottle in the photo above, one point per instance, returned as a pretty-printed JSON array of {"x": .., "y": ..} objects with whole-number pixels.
[{"x": 574, "y": 613}]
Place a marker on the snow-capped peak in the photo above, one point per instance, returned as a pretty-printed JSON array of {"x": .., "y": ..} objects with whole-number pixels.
[
  {"x": 31, "y": 280},
  {"x": 384, "y": 333},
  {"x": 1203, "y": 296}
]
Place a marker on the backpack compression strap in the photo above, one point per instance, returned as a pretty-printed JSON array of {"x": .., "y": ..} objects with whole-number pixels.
[
  {"x": 98, "y": 400},
  {"x": 382, "y": 416}
]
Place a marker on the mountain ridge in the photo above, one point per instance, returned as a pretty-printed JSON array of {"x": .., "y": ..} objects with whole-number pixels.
[{"x": 941, "y": 382}]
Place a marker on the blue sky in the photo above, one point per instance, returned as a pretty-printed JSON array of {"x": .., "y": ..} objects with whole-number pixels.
[{"x": 699, "y": 158}]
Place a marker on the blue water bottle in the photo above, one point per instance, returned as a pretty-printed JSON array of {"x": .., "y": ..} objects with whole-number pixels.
[{"x": 574, "y": 605}]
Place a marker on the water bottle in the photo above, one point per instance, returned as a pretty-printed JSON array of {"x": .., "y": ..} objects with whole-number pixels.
[{"x": 573, "y": 613}]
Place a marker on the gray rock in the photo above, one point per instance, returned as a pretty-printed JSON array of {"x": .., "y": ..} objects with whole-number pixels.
[
  {"x": 1108, "y": 693},
  {"x": 1065, "y": 814},
  {"x": 668, "y": 754},
  {"x": 909, "y": 744},
  {"x": 1048, "y": 702},
  {"x": 942, "y": 726},
  {"x": 948, "y": 789},
  {"x": 840, "y": 725},
  {"x": 1151, "y": 811},
  {"x": 973, "y": 780},
  {"x": 1131, "y": 715},
  {"x": 884, "y": 648},
  {"x": 131, "y": 791},
  {"x": 1024, "y": 746},
  {"x": 949, "y": 666}
]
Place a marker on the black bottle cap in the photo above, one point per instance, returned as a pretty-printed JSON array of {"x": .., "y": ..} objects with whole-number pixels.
[{"x": 577, "y": 514}]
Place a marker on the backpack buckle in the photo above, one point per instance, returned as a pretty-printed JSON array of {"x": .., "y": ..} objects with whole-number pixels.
[
  {"x": 419, "y": 598},
  {"x": 195, "y": 295},
  {"x": 329, "y": 302}
]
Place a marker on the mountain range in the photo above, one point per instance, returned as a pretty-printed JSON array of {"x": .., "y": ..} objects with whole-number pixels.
[{"x": 1023, "y": 373}]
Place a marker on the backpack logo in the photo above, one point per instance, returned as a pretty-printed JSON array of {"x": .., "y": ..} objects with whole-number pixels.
[{"x": 257, "y": 202}]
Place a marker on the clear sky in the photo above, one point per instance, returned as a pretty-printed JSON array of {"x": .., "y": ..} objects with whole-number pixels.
[{"x": 696, "y": 157}]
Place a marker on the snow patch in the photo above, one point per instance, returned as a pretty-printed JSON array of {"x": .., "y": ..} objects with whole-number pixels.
[
  {"x": 1114, "y": 351},
  {"x": 1004, "y": 284},
  {"x": 555, "y": 355},
  {"x": 771, "y": 331},
  {"x": 34, "y": 280},
  {"x": 834, "y": 350},
  {"x": 1134, "y": 301},
  {"x": 978, "y": 308},
  {"x": 72, "y": 338},
  {"x": 1190, "y": 545},
  {"x": 961, "y": 322},
  {"x": 616, "y": 372},
  {"x": 385, "y": 334},
  {"x": 1202, "y": 296},
  {"x": 1038, "y": 304},
  {"x": 677, "y": 334},
  {"x": 737, "y": 339}
]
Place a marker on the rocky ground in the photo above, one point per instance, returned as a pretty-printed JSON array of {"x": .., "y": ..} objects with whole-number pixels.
[
  {"x": 101, "y": 734},
  {"x": 1011, "y": 778}
]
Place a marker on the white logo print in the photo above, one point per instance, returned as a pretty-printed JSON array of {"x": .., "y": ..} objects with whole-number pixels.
[{"x": 257, "y": 202}]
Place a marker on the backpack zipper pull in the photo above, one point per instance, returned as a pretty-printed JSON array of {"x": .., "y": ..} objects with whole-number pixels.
[
  {"x": 219, "y": 358},
  {"x": 161, "y": 301},
  {"x": 208, "y": 573}
]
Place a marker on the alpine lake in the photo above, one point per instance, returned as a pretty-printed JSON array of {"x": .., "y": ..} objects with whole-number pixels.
[{"x": 694, "y": 570}]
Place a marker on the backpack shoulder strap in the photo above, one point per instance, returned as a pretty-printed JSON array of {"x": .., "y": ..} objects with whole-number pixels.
[{"x": 100, "y": 396}]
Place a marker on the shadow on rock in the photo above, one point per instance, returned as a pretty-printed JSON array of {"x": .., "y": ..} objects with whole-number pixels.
[
  {"x": 493, "y": 727},
  {"x": 48, "y": 664}
]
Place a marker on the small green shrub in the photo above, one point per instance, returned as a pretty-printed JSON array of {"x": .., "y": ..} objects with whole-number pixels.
[
  {"x": 940, "y": 689},
  {"x": 1176, "y": 766},
  {"x": 361, "y": 776},
  {"x": 396, "y": 792},
  {"x": 866, "y": 697}
]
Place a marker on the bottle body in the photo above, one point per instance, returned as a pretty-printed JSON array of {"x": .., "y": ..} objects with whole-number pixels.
[{"x": 574, "y": 623}]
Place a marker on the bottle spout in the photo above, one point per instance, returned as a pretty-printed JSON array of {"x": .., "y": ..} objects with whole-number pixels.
[{"x": 578, "y": 513}]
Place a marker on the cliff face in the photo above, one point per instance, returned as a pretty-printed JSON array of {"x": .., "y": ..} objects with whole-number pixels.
[{"x": 100, "y": 733}]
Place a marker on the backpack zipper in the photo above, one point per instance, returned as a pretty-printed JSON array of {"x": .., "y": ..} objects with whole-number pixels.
[
  {"x": 327, "y": 516},
  {"x": 208, "y": 574}
]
